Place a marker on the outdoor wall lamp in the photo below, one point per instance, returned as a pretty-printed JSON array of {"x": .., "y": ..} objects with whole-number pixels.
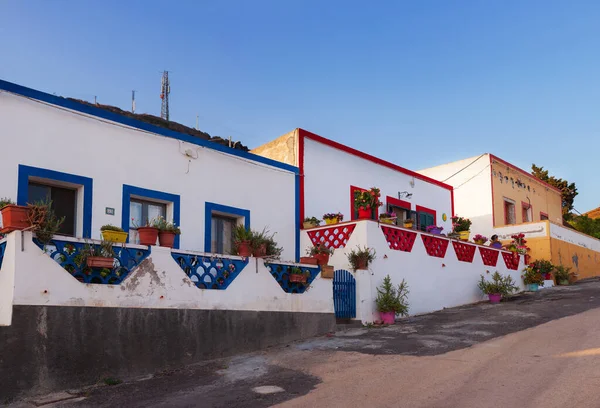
[{"x": 404, "y": 194}]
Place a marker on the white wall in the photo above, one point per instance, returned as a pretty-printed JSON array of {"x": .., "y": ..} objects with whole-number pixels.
[
  {"x": 39, "y": 280},
  {"x": 574, "y": 237},
  {"x": 434, "y": 283},
  {"x": 41, "y": 135},
  {"x": 330, "y": 172},
  {"x": 472, "y": 190},
  {"x": 530, "y": 230},
  {"x": 7, "y": 283}
]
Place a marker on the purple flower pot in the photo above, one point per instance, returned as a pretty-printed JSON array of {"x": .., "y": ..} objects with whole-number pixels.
[
  {"x": 436, "y": 231},
  {"x": 388, "y": 317},
  {"x": 495, "y": 297}
]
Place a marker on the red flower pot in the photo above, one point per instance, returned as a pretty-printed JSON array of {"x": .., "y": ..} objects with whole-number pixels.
[
  {"x": 100, "y": 262},
  {"x": 309, "y": 260},
  {"x": 14, "y": 217},
  {"x": 361, "y": 263},
  {"x": 322, "y": 259},
  {"x": 388, "y": 317},
  {"x": 260, "y": 251},
  {"x": 294, "y": 277},
  {"x": 166, "y": 239},
  {"x": 244, "y": 249},
  {"x": 148, "y": 235},
  {"x": 364, "y": 214}
]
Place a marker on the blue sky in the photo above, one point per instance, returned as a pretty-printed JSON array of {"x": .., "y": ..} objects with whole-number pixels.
[{"x": 418, "y": 83}]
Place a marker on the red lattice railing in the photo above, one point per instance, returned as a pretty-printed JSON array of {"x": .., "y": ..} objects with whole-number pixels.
[
  {"x": 511, "y": 259},
  {"x": 464, "y": 252},
  {"x": 333, "y": 237},
  {"x": 435, "y": 246},
  {"x": 399, "y": 239},
  {"x": 489, "y": 256}
]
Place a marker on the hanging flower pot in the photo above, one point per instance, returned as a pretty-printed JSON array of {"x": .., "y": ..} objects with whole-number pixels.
[
  {"x": 298, "y": 278},
  {"x": 243, "y": 249},
  {"x": 260, "y": 251},
  {"x": 361, "y": 263},
  {"x": 364, "y": 213},
  {"x": 148, "y": 235},
  {"x": 14, "y": 217},
  {"x": 166, "y": 239},
  {"x": 100, "y": 262}
]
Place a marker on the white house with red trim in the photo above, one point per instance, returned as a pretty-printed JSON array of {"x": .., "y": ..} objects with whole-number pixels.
[{"x": 330, "y": 172}]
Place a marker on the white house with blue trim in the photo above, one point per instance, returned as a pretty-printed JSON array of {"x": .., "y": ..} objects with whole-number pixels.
[{"x": 100, "y": 168}]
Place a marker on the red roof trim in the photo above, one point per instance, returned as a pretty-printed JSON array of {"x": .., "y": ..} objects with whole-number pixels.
[
  {"x": 339, "y": 146},
  {"x": 492, "y": 157}
]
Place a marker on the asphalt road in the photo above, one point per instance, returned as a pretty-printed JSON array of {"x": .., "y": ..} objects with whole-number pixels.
[{"x": 535, "y": 350}]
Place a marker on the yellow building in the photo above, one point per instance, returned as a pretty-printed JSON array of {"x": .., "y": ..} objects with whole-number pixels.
[{"x": 593, "y": 214}]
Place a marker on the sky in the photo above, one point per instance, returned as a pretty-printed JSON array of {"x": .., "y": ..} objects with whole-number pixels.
[{"x": 417, "y": 83}]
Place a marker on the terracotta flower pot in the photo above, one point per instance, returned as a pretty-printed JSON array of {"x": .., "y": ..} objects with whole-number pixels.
[
  {"x": 260, "y": 251},
  {"x": 298, "y": 278},
  {"x": 244, "y": 249},
  {"x": 166, "y": 239},
  {"x": 309, "y": 260},
  {"x": 14, "y": 217},
  {"x": 100, "y": 262},
  {"x": 364, "y": 214},
  {"x": 148, "y": 235},
  {"x": 322, "y": 259},
  {"x": 361, "y": 263}
]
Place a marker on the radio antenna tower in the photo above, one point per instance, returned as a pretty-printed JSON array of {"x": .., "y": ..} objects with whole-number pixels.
[{"x": 165, "y": 90}]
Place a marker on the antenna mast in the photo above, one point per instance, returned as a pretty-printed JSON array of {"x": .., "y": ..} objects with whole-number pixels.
[
  {"x": 165, "y": 90},
  {"x": 132, "y": 101}
]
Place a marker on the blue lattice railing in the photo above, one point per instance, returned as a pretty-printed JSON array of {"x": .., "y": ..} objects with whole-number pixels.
[
  {"x": 281, "y": 273},
  {"x": 68, "y": 254},
  {"x": 210, "y": 271},
  {"x": 2, "y": 250}
]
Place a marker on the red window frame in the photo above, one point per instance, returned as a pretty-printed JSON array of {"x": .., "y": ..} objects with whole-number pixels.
[
  {"x": 419, "y": 209},
  {"x": 525, "y": 207},
  {"x": 506, "y": 220},
  {"x": 396, "y": 203},
  {"x": 543, "y": 214},
  {"x": 353, "y": 211}
]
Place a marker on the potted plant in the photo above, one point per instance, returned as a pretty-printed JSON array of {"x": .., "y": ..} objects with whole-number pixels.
[
  {"x": 101, "y": 256},
  {"x": 361, "y": 257},
  {"x": 479, "y": 239},
  {"x": 148, "y": 234},
  {"x": 461, "y": 226},
  {"x": 434, "y": 229},
  {"x": 518, "y": 244},
  {"x": 366, "y": 201},
  {"x": 242, "y": 239},
  {"x": 544, "y": 267},
  {"x": 408, "y": 223},
  {"x": 297, "y": 275},
  {"x": 14, "y": 217},
  {"x": 561, "y": 273},
  {"x": 113, "y": 234},
  {"x": 387, "y": 218},
  {"x": 320, "y": 252},
  {"x": 43, "y": 221},
  {"x": 167, "y": 231},
  {"x": 532, "y": 278},
  {"x": 311, "y": 222},
  {"x": 333, "y": 218},
  {"x": 391, "y": 301},
  {"x": 272, "y": 250},
  {"x": 498, "y": 287},
  {"x": 258, "y": 243}
]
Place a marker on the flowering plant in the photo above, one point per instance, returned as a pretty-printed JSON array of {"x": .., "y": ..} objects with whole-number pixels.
[
  {"x": 480, "y": 239},
  {"x": 461, "y": 224},
  {"x": 363, "y": 200},
  {"x": 532, "y": 276},
  {"x": 333, "y": 216},
  {"x": 518, "y": 244},
  {"x": 319, "y": 249},
  {"x": 388, "y": 215},
  {"x": 430, "y": 228}
]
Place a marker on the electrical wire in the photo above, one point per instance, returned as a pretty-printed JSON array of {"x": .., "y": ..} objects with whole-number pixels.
[
  {"x": 482, "y": 170},
  {"x": 473, "y": 162}
]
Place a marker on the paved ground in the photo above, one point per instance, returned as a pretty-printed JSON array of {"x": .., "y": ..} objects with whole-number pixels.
[{"x": 457, "y": 357}]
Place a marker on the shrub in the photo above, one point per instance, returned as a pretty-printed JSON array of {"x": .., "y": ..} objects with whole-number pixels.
[
  {"x": 313, "y": 220},
  {"x": 44, "y": 222},
  {"x": 503, "y": 285},
  {"x": 532, "y": 276},
  {"x": 461, "y": 224},
  {"x": 5, "y": 201},
  {"x": 562, "y": 273},
  {"x": 390, "y": 299}
]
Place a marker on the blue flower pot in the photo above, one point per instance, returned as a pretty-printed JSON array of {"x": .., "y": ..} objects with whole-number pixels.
[{"x": 534, "y": 287}]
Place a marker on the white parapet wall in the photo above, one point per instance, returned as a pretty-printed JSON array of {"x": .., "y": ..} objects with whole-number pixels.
[
  {"x": 530, "y": 230},
  {"x": 434, "y": 282},
  {"x": 158, "y": 282},
  {"x": 574, "y": 237}
]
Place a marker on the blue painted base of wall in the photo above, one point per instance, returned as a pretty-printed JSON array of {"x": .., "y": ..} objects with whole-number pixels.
[{"x": 51, "y": 348}]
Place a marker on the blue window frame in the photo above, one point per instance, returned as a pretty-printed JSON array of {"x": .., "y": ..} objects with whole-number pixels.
[
  {"x": 144, "y": 193},
  {"x": 39, "y": 175},
  {"x": 219, "y": 210}
]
